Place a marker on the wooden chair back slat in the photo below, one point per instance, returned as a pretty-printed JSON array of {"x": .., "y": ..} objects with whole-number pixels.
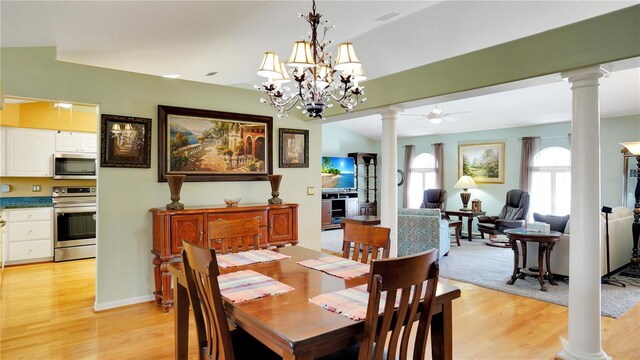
[
  {"x": 201, "y": 270},
  {"x": 235, "y": 235},
  {"x": 405, "y": 281},
  {"x": 361, "y": 240}
]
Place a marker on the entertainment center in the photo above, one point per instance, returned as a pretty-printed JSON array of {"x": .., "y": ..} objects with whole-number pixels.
[
  {"x": 336, "y": 206},
  {"x": 349, "y": 187}
]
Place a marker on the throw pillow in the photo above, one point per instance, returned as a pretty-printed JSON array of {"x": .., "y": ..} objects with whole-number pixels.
[
  {"x": 557, "y": 223},
  {"x": 567, "y": 228}
]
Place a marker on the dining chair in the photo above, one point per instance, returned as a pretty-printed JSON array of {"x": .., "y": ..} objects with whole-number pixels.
[
  {"x": 365, "y": 242},
  {"x": 405, "y": 281},
  {"x": 234, "y": 235},
  {"x": 215, "y": 339}
]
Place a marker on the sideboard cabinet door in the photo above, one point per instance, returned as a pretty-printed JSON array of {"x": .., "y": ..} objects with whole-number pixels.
[
  {"x": 186, "y": 228},
  {"x": 281, "y": 222}
]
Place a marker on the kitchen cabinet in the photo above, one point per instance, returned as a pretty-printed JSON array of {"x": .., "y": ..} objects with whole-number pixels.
[
  {"x": 74, "y": 141},
  {"x": 3, "y": 151},
  {"x": 29, "y": 152},
  {"x": 278, "y": 225},
  {"x": 29, "y": 235}
]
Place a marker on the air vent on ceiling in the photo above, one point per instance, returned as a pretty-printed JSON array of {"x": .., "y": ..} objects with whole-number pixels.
[
  {"x": 387, "y": 16},
  {"x": 212, "y": 73}
]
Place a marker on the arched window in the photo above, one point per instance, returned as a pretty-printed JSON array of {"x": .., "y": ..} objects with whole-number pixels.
[
  {"x": 551, "y": 182},
  {"x": 423, "y": 177}
]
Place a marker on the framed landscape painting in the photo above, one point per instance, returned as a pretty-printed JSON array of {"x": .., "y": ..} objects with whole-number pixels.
[
  {"x": 483, "y": 162},
  {"x": 208, "y": 145},
  {"x": 125, "y": 141},
  {"x": 294, "y": 148}
]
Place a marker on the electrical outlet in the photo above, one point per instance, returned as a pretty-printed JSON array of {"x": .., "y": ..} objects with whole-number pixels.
[
  {"x": 310, "y": 190},
  {"x": 5, "y": 188},
  {"x": 35, "y": 188}
]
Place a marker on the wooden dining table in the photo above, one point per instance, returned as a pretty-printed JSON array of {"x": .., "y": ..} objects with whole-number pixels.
[{"x": 292, "y": 326}]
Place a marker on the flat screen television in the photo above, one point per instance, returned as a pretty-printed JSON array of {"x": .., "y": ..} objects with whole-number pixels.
[{"x": 337, "y": 173}]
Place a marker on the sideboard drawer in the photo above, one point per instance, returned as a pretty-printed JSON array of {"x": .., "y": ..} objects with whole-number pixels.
[{"x": 260, "y": 215}]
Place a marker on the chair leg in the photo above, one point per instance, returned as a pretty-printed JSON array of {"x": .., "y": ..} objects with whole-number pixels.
[{"x": 481, "y": 235}]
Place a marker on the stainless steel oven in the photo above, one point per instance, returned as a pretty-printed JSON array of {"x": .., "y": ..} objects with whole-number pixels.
[
  {"x": 74, "y": 166},
  {"x": 74, "y": 223}
]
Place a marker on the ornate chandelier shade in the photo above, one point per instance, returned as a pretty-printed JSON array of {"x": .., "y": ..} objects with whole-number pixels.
[{"x": 318, "y": 80}]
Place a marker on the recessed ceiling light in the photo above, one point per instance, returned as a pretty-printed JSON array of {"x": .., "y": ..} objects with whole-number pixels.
[{"x": 171, "y": 76}]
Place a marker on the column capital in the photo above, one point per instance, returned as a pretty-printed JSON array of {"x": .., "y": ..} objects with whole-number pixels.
[
  {"x": 390, "y": 112},
  {"x": 588, "y": 73}
]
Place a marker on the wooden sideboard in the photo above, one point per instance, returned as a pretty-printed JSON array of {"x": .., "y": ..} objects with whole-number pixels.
[{"x": 278, "y": 227}]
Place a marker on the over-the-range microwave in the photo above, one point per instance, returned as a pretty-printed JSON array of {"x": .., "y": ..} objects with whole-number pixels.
[{"x": 74, "y": 166}]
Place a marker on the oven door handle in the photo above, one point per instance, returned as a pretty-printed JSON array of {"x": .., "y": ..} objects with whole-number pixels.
[{"x": 59, "y": 211}]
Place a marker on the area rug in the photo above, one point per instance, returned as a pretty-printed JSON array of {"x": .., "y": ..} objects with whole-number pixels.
[{"x": 490, "y": 267}]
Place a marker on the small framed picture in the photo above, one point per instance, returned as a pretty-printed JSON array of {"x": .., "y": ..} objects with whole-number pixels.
[
  {"x": 126, "y": 142},
  {"x": 294, "y": 148}
]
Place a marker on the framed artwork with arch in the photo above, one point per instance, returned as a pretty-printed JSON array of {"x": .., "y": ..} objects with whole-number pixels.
[{"x": 208, "y": 145}]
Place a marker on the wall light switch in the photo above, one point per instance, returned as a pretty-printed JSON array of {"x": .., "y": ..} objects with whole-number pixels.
[
  {"x": 5, "y": 188},
  {"x": 310, "y": 190},
  {"x": 35, "y": 188}
]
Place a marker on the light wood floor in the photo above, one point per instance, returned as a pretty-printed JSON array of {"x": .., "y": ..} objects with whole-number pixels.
[{"x": 46, "y": 312}]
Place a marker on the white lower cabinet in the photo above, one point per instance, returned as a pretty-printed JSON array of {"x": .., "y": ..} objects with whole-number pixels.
[{"x": 29, "y": 235}]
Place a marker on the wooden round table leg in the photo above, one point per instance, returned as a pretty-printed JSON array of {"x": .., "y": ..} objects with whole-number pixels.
[
  {"x": 516, "y": 255},
  {"x": 542, "y": 247},
  {"x": 548, "y": 256}
]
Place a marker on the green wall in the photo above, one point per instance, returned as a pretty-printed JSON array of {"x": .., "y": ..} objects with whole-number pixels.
[
  {"x": 124, "y": 269},
  {"x": 613, "y": 131}
]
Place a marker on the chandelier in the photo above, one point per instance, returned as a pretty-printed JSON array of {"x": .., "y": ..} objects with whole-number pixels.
[{"x": 313, "y": 71}]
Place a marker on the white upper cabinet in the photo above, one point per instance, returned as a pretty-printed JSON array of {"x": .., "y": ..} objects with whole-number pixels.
[
  {"x": 29, "y": 152},
  {"x": 3, "y": 150},
  {"x": 73, "y": 141}
]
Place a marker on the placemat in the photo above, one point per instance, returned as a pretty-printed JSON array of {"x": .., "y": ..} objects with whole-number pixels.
[
  {"x": 247, "y": 285},
  {"x": 337, "y": 266},
  {"x": 351, "y": 302},
  {"x": 248, "y": 257}
]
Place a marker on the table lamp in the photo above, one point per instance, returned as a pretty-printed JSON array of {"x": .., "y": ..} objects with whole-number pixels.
[
  {"x": 465, "y": 182},
  {"x": 634, "y": 269}
]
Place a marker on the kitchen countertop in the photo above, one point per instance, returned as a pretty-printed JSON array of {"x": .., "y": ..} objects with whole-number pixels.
[{"x": 25, "y": 202}]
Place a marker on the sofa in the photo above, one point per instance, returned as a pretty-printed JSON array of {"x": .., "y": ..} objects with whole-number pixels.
[
  {"x": 620, "y": 242},
  {"x": 421, "y": 230}
]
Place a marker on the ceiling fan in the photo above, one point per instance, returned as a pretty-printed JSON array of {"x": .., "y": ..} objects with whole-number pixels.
[{"x": 436, "y": 115}]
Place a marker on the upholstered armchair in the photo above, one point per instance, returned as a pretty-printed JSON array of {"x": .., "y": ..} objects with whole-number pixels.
[
  {"x": 421, "y": 230},
  {"x": 513, "y": 214},
  {"x": 434, "y": 199}
]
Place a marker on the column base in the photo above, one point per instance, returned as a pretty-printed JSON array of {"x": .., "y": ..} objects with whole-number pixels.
[{"x": 569, "y": 354}]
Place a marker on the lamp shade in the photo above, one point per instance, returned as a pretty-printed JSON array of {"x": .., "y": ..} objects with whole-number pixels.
[
  {"x": 283, "y": 75},
  {"x": 465, "y": 182},
  {"x": 347, "y": 59},
  {"x": 359, "y": 74},
  {"x": 270, "y": 67},
  {"x": 301, "y": 55},
  {"x": 323, "y": 76},
  {"x": 633, "y": 147}
]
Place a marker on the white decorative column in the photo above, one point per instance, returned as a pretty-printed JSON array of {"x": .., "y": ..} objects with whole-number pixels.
[
  {"x": 585, "y": 341},
  {"x": 388, "y": 175}
]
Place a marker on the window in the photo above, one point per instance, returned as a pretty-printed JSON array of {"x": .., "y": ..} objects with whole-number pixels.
[
  {"x": 423, "y": 177},
  {"x": 551, "y": 182}
]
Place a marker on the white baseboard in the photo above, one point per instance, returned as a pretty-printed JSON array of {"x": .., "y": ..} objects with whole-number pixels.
[{"x": 123, "y": 302}]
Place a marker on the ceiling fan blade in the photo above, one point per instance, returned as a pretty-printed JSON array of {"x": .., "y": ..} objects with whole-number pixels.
[{"x": 449, "y": 118}]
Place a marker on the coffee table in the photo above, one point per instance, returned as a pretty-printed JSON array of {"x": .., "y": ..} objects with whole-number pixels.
[{"x": 546, "y": 242}]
